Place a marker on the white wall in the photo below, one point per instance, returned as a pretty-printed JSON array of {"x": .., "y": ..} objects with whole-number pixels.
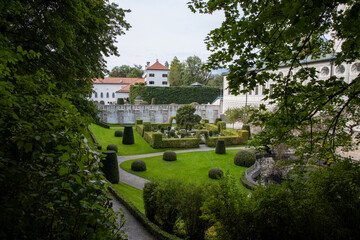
[
  {"x": 105, "y": 88},
  {"x": 158, "y": 78},
  {"x": 349, "y": 72}
]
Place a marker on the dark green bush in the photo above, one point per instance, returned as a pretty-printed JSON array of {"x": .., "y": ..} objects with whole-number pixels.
[
  {"x": 169, "y": 156},
  {"x": 216, "y": 121},
  {"x": 120, "y": 101},
  {"x": 147, "y": 126},
  {"x": 220, "y": 147},
  {"x": 210, "y": 133},
  {"x": 216, "y": 173},
  {"x": 244, "y": 158},
  {"x": 138, "y": 121},
  {"x": 247, "y": 128},
  {"x": 172, "y": 133},
  {"x": 102, "y": 124},
  {"x": 150, "y": 200},
  {"x": 118, "y": 133},
  {"x": 138, "y": 166},
  {"x": 110, "y": 166},
  {"x": 98, "y": 146},
  {"x": 221, "y": 126},
  {"x": 112, "y": 147},
  {"x": 216, "y": 132},
  {"x": 153, "y": 101},
  {"x": 128, "y": 137}
]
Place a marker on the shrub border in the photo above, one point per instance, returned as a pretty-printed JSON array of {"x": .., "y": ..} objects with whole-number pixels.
[
  {"x": 245, "y": 182},
  {"x": 153, "y": 229}
]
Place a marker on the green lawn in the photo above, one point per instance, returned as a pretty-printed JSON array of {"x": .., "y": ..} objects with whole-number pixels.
[
  {"x": 106, "y": 136},
  {"x": 133, "y": 194},
  {"x": 189, "y": 167}
]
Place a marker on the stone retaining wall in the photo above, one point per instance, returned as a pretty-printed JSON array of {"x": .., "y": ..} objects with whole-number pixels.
[{"x": 123, "y": 114}]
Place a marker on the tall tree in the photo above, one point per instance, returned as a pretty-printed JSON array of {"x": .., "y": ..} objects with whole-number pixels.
[
  {"x": 176, "y": 72},
  {"x": 192, "y": 72},
  {"x": 186, "y": 117},
  {"x": 216, "y": 80},
  {"x": 256, "y": 37},
  {"x": 167, "y": 64},
  {"x": 50, "y": 182}
]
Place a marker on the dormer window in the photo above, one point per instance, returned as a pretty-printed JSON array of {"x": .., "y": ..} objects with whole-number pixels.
[
  {"x": 164, "y": 75},
  {"x": 151, "y": 82},
  {"x": 151, "y": 75}
]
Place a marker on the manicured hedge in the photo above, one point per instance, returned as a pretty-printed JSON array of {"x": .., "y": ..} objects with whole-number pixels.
[
  {"x": 140, "y": 129},
  {"x": 221, "y": 125},
  {"x": 211, "y": 127},
  {"x": 220, "y": 147},
  {"x": 229, "y": 140},
  {"x": 172, "y": 118},
  {"x": 138, "y": 121},
  {"x": 245, "y": 182},
  {"x": 128, "y": 137},
  {"x": 102, "y": 124},
  {"x": 153, "y": 229},
  {"x": 179, "y": 95},
  {"x": 181, "y": 143},
  {"x": 110, "y": 166}
]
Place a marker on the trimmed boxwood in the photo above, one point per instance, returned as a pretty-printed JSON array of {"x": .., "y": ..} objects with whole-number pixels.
[
  {"x": 221, "y": 126},
  {"x": 169, "y": 156},
  {"x": 247, "y": 128},
  {"x": 112, "y": 147},
  {"x": 220, "y": 147},
  {"x": 110, "y": 166},
  {"x": 138, "y": 166},
  {"x": 128, "y": 137},
  {"x": 118, "y": 133},
  {"x": 216, "y": 173},
  {"x": 138, "y": 121},
  {"x": 244, "y": 158}
]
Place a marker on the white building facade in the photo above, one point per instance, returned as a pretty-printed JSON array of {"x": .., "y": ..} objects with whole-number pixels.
[
  {"x": 156, "y": 75},
  {"x": 325, "y": 68}
]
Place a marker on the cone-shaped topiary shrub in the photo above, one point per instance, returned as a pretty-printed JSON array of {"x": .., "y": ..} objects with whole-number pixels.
[
  {"x": 118, "y": 133},
  {"x": 112, "y": 147},
  {"x": 138, "y": 166},
  {"x": 110, "y": 166},
  {"x": 220, "y": 147},
  {"x": 128, "y": 137},
  {"x": 169, "y": 156},
  {"x": 244, "y": 158},
  {"x": 215, "y": 173},
  {"x": 247, "y": 128}
]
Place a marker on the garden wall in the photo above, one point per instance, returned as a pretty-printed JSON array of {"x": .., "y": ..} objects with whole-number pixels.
[{"x": 127, "y": 114}]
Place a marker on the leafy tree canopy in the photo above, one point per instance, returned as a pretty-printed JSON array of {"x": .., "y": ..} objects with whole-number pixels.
[
  {"x": 127, "y": 71},
  {"x": 51, "y": 187},
  {"x": 185, "y": 117},
  {"x": 315, "y": 116}
]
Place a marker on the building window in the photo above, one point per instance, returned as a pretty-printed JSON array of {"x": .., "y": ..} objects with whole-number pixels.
[
  {"x": 101, "y": 95},
  {"x": 151, "y": 82},
  {"x": 340, "y": 69},
  {"x": 164, "y": 83},
  {"x": 272, "y": 88},
  {"x": 113, "y": 95},
  {"x": 95, "y": 94},
  {"x": 256, "y": 90},
  {"x": 107, "y": 95},
  {"x": 164, "y": 75},
  {"x": 151, "y": 75},
  {"x": 263, "y": 90}
]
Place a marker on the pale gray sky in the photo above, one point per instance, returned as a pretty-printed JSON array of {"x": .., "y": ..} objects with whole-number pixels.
[{"x": 162, "y": 29}]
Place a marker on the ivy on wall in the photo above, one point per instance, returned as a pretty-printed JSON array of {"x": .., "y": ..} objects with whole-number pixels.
[{"x": 178, "y": 95}]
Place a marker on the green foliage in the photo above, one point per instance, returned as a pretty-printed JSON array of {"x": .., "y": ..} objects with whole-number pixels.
[
  {"x": 169, "y": 202},
  {"x": 120, "y": 101},
  {"x": 216, "y": 121},
  {"x": 127, "y": 71},
  {"x": 113, "y": 147},
  {"x": 156, "y": 140},
  {"x": 128, "y": 137},
  {"x": 147, "y": 126},
  {"x": 181, "y": 143},
  {"x": 244, "y": 158},
  {"x": 51, "y": 186},
  {"x": 179, "y": 95},
  {"x": 216, "y": 173},
  {"x": 186, "y": 118},
  {"x": 220, "y": 147},
  {"x": 138, "y": 166},
  {"x": 102, "y": 124},
  {"x": 247, "y": 128},
  {"x": 239, "y": 114},
  {"x": 172, "y": 118},
  {"x": 169, "y": 156},
  {"x": 138, "y": 121},
  {"x": 221, "y": 126},
  {"x": 110, "y": 166},
  {"x": 312, "y": 112},
  {"x": 153, "y": 101},
  {"x": 228, "y": 140},
  {"x": 204, "y": 120},
  {"x": 118, "y": 133}
]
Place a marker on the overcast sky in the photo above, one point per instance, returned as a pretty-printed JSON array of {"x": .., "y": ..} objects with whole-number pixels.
[{"x": 162, "y": 29}]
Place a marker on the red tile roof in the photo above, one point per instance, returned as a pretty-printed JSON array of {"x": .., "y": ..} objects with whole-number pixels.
[
  {"x": 117, "y": 80},
  {"x": 126, "y": 89},
  {"x": 157, "y": 66}
]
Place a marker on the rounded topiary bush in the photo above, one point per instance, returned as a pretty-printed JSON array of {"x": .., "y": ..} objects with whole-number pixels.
[
  {"x": 169, "y": 156},
  {"x": 112, "y": 147},
  {"x": 138, "y": 166},
  {"x": 220, "y": 147},
  {"x": 244, "y": 158},
  {"x": 216, "y": 173},
  {"x": 110, "y": 166},
  {"x": 128, "y": 137},
  {"x": 118, "y": 133}
]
